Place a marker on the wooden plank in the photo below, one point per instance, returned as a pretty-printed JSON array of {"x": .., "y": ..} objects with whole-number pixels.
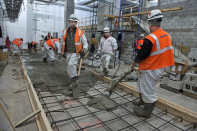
[
  {"x": 21, "y": 88},
  {"x": 27, "y": 118},
  {"x": 161, "y": 103},
  {"x": 143, "y": 13},
  {"x": 190, "y": 94},
  {"x": 41, "y": 119},
  {"x": 7, "y": 116},
  {"x": 169, "y": 88}
]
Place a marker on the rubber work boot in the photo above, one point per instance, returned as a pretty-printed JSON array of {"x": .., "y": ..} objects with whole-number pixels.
[
  {"x": 140, "y": 102},
  {"x": 146, "y": 111},
  {"x": 73, "y": 83},
  {"x": 106, "y": 72},
  {"x": 44, "y": 59}
]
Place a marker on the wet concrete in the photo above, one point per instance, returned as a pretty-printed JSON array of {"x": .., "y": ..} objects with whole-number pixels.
[
  {"x": 55, "y": 76},
  {"x": 102, "y": 103}
]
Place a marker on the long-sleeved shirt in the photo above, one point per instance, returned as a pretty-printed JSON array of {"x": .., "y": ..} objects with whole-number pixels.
[
  {"x": 145, "y": 51},
  {"x": 93, "y": 41}
]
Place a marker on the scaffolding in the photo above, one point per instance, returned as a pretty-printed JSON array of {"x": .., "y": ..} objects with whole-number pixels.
[
  {"x": 95, "y": 14},
  {"x": 120, "y": 19}
]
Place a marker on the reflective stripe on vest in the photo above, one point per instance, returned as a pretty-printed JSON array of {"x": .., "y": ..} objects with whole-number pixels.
[
  {"x": 161, "y": 54},
  {"x": 34, "y": 43},
  {"x": 53, "y": 42},
  {"x": 159, "y": 50},
  {"x": 19, "y": 42}
]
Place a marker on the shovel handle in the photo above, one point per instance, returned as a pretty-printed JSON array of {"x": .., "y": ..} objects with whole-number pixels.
[
  {"x": 81, "y": 63},
  {"x": 112, "y": 87},
  {"x": 80, "y": 67}
]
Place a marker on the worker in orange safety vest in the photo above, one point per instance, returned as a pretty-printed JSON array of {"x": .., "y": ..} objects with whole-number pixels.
[
  {"x": 49, "y": 46},
  {"x": 34, "y": 45},
  {"x": 155, "y": 54},
  {"x": 139, "y": 43},
  {"x": 74, "y": 43},
  {"x": 17, "y": 45}
]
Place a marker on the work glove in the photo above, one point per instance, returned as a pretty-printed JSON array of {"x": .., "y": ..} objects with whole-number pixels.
[
  {"x": 59, "y": 56},
  {"x": 99, "y": 52},
  {"x": 112, "y": 54},
  {"x": 131, "y": 68}
]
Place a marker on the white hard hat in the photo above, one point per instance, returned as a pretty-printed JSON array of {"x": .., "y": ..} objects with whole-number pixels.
[
  {"x": 154, "y": 14},
  {"x": 73, "y": 17},
  {"x": 106, "y": 29},
  {"x": 142, "y": 35}
]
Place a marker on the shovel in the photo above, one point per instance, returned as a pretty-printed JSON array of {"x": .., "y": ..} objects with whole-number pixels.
[
  {"x": 75, "y": 89},
  {"x": 113, "y": 83}
]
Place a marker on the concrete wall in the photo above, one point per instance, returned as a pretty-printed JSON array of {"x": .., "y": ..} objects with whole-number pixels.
[{"x": 181, "y": 25}]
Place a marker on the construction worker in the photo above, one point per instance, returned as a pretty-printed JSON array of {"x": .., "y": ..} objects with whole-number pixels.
[
  {"x": 49, "y": 46},
  {"x": 34, "y": 45},
  {"x": 74, "y": 43},
  {"x": 17, "y": 46},
  {"x": 139, "y": 43},
  {"x": 107, "y": 47},
  {"x": 93, "y": 43},
  {"x": 155, "y": 54},
  {"x": 48, "y": 37},
  {"x": 29, "y": 46}
]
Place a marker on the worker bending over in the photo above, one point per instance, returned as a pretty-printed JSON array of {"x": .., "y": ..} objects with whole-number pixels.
[
  {"x": 74, "y": 43},
  {"x": 139, "y": 43},
  {"x": 155, "y": 54},
  {"x": 34, "y": 45},
  {"x": 107, "y": 47},
  {"x": 17, "y": 46},
  {"x": 49, "y": 46}
]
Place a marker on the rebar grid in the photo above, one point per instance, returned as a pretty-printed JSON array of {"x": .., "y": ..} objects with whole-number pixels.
[{"x": 175, "y": 122}]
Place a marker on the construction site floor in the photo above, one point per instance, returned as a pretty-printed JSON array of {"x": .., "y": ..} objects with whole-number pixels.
[
  {"x": 16, "y": 105},
  {"x": 77, "y": 113}
]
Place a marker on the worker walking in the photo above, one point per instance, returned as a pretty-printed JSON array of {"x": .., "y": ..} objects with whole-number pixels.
[
  {"x": 17, "y": 45},
  {"x": 107, "y": 47},
  {"x": 139, "y": 43},
  {"x": 93, "y": 44},
  {"x": 49, "y": 46},
  {"x": 34, "y": 45},
  {"x": 74, "y": 43},
  {"x": 155, "y": 54}
]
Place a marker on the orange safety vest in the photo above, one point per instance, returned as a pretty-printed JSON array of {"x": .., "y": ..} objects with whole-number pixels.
[
  {"x": 139, "y": 43},
  {"x": 17, "y": 42},
  {"x": 51, "y": 43},
  {"x": 56, "y": 39},
  {"x": 161, "y": 54},
  {"x": 116, "y": 23},
  {"x": 34, "y": 43},
  {"x": 78, "y": 44}
]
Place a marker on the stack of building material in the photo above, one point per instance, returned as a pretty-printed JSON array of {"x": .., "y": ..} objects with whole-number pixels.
[
  {"x": 190, "y": 85},
  {"x": 193, "y": 54}
]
